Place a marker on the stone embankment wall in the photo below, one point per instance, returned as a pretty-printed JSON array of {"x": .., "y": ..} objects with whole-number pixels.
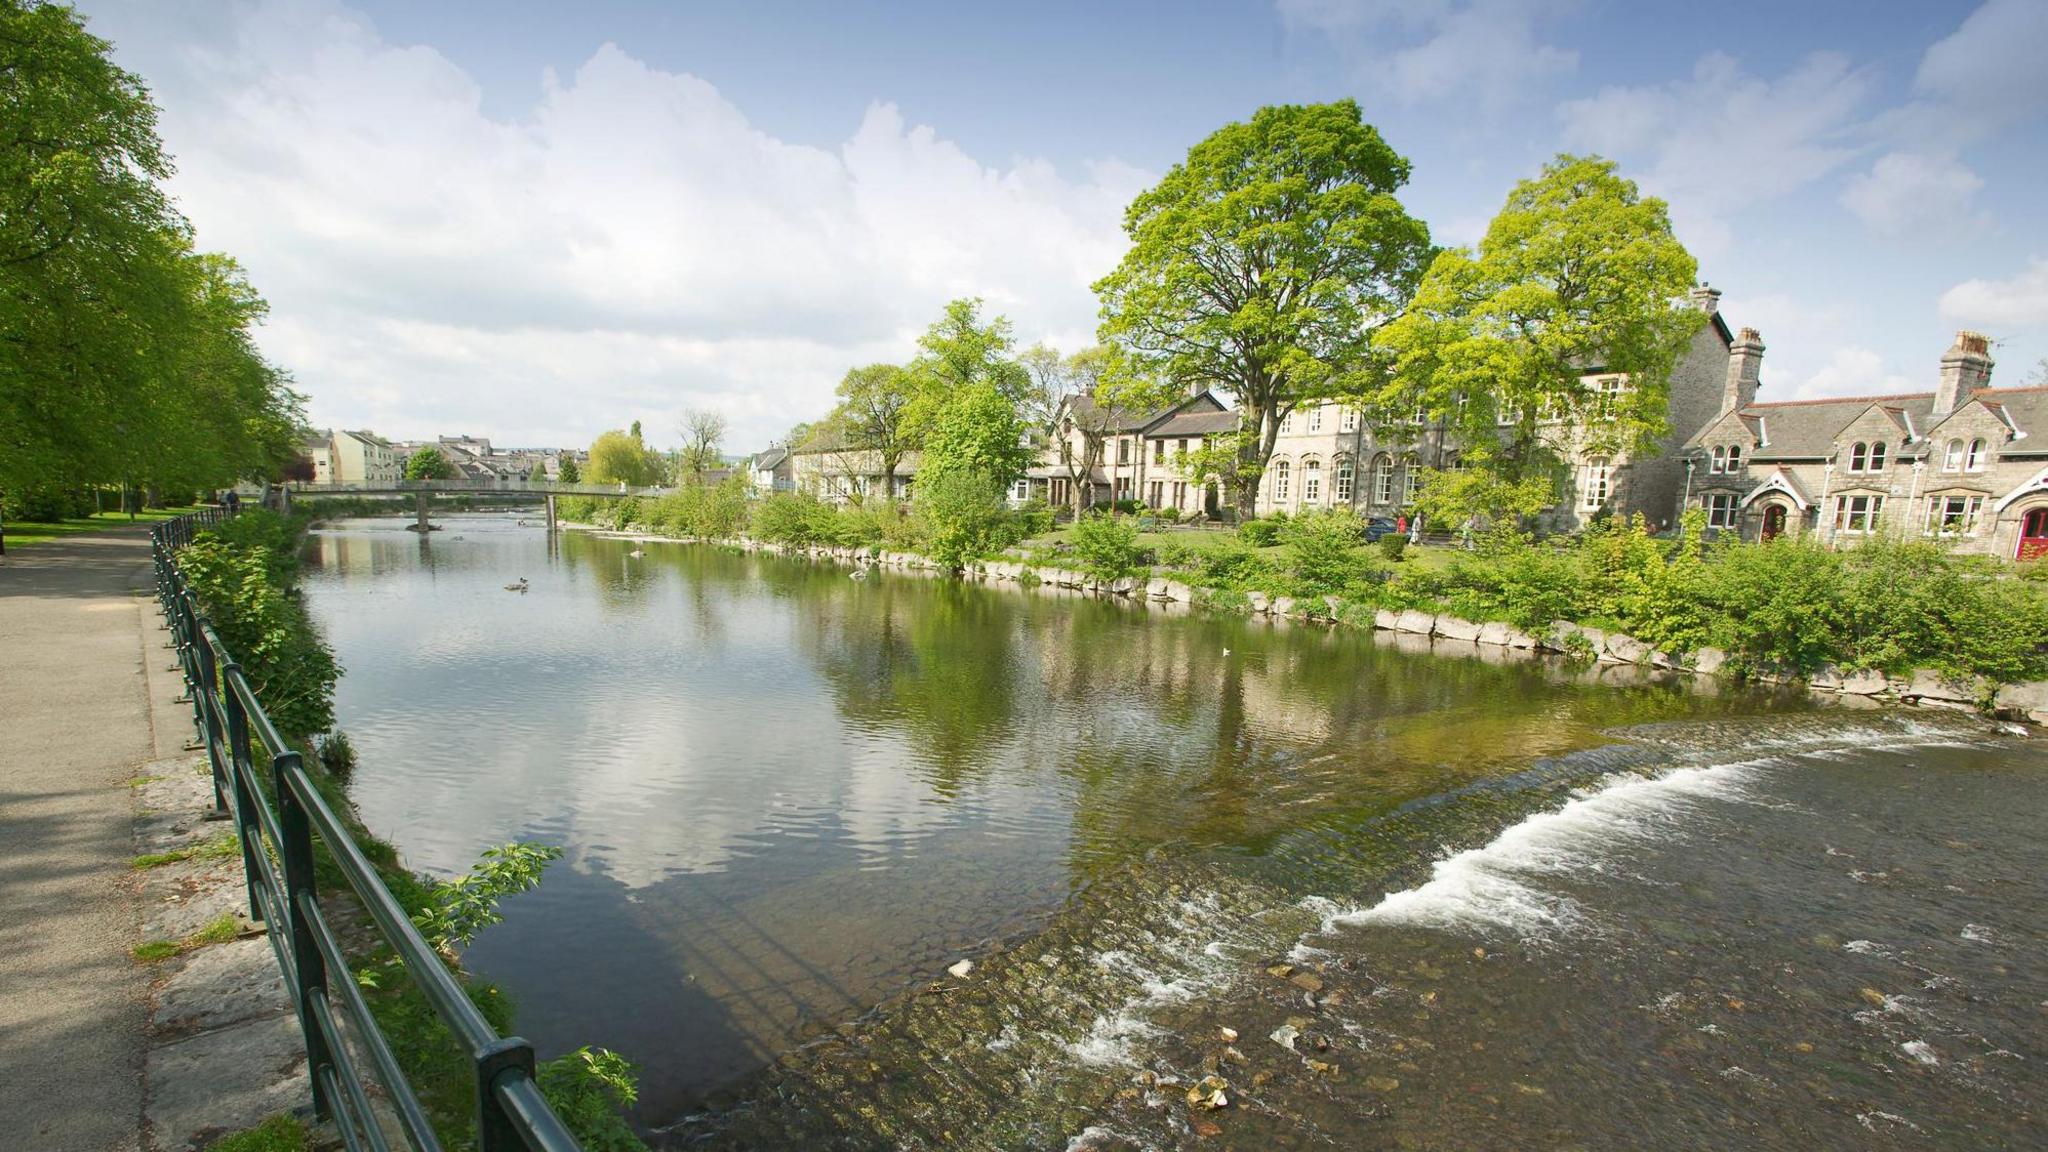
[{"x": 1923, "y": 687}]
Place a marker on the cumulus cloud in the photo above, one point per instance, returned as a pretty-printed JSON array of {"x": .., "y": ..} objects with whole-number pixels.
[
  {"x": 1914, "y": 193},
  {"x": 2018, "y": 301},
  {"x": 1423, "y": 50},
  {"x": 1721, "y": 139},
  {"x": 1984, "y": 77},
  {"x": 1852, "y": 370},
  {"x": 629, "y": 246}
]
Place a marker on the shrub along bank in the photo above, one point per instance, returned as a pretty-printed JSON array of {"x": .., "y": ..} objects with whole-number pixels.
[
  {"x": 1788, "y": 608},
  {"x": 242, "y": 571}
]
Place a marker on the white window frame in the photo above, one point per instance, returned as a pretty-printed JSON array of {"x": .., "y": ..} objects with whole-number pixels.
[
  {"x": 1342, "y": 481},
  {"x": 1315, "y": 418},
  {"x": 1973, "y": 457},
  {"x": 1952, "y": 457},
  {"x": 1723, "y": 509},
  {"x": 1949, "y": 517},
  {"x": 1312, "y": 481},
  {"x": 1858, "y": 515},
  {"x": 1383, "y": 479},
  {"x": 1599, "y": 483},
  {"x": 1281, "y": 470},
  {"x": 1348, "y": 421}
]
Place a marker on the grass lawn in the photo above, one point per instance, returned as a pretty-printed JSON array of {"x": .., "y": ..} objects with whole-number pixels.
[{"x": 20, "y": 532}]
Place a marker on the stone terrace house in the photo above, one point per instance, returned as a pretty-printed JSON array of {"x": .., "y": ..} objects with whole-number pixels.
[
  {"x": 1965, "y": 463},
  {"x": 1141, "y": 454},
  {"x": 826, "y": 467},
  {"x": 1328, "y": 456}
]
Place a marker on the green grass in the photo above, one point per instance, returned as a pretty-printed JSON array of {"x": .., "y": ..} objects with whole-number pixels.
[
  {"x": 25, "y": 532},
  {"x": 221, "y": 847},
  {"x": 277, "y": 1134},
  {"x": 220, "y": 930}
]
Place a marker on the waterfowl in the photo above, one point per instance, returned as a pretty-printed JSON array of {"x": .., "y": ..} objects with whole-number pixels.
[{"x": 519, "y": 587}]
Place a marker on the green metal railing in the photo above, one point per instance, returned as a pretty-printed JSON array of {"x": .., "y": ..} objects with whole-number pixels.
[{"x": 237, "y": 736}]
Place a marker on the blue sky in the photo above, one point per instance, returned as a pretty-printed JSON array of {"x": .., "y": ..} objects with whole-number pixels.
[{"x": 534, "y": 221}]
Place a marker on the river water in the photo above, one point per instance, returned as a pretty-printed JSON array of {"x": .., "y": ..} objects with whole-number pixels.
[{"x": 1439, "y": 901}]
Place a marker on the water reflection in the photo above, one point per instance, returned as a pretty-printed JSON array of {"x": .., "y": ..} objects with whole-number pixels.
[{"x": 785, "y": 795}]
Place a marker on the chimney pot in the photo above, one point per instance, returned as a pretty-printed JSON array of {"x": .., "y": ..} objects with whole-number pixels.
[{"x": 1965, "y": 367}]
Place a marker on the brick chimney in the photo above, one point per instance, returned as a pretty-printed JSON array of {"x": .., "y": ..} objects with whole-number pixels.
[
  {"x": 1965, "y": 367},
  {"x": 1745, "y": 362},
  {"x": 1706, "y": 299}
]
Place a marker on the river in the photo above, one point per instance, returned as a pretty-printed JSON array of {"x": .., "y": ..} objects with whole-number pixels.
[{"x": 1388, "y": 898}]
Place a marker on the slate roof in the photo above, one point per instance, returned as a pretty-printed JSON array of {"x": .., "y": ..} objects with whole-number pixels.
[
  {"x": 1197, "y": 424},
  {"x": 772, "y": 458}
]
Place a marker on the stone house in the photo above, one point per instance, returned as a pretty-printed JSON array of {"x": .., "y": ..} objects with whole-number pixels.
[
  {"x": 1141, "y": 455},
  {"x": 1329, "y": 455},
  {"x": 1964, "y": 463},
  {"x": 826, "y": 467},
  {"x": 772, "y": 471}
]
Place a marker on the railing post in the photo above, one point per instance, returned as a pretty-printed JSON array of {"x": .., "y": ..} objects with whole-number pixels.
[
  {"x": 188, "y": 659},
  {"x": 248, "y": 829},
  {"x": 206, "y": 694},
  {"x": 297, "y": 851},
  {"x": 494, "y": 1129}
]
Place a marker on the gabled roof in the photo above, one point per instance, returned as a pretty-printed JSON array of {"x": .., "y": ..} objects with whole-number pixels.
[
  {"x": 1779, "y": 481},
  {"x": 1196, "y": 424},
  {"x": 1794, "y": 429},
  {"x": 772, "y": 458},
  {"x": 2022, "y": 410}
]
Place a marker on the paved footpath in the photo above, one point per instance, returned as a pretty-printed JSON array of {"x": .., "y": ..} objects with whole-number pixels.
[{"x": 74, "y": 725}]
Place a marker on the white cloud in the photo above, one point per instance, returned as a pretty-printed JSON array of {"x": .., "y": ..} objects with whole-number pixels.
[
  {"x": 1851, "y": 370},
  {"x": 1721, "y": 140},
  {"x": 630, "y": 246},
  {"x": 2019, "y": 301},
  {"x": 1985, "y": 76},
  {"x": 1915, "y": 193},
  {"x": 1425, "y": 50}
]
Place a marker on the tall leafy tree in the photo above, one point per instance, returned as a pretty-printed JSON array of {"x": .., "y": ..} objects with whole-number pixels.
[
  {"x": 1263, "y": 264},
  {"x": 428, "y": 464},
  {"x": 620, "y": 457},
  {"x": 874, "y": 415},
  {"x": 128, "y": 356},
  {"x": 978, "y": 431},
  {"x": 1514, "y": 348}
]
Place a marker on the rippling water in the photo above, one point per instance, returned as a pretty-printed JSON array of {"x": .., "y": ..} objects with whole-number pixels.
[{"x": 1500, "y": 904}]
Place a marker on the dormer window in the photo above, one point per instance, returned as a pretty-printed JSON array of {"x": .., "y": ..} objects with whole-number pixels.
[
  {"x": 1858, "y": 456},
  {"x": 1876, "y": 456},
  {"x": 1735, "y": 457},
  {"x": 1952, "y": 457},
  {"x": 1973, "y": 461},
  {"x": 1720, "y": 461}
]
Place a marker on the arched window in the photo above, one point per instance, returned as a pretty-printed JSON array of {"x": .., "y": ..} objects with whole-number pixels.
[
  {"x": 1720, "y": 459},
  {"x": 1454, "y": 461},
  {"x": 1383, "y": 479},
  {"x": 1952, "y": 458},
  {"x": 1975, "y": 460},
  {"x": 1876, "y": 463},
  {"x": 1280, "y": 470},
  {"x": 1340, "y": 484},
  {"x": 1858, "y": 456},
  {"x": 1599, "y": 480},
  {"x": 1311, "y": 481},
  {"x": 1735, "y": 457},
  {"x": 1411, "y": 478}
]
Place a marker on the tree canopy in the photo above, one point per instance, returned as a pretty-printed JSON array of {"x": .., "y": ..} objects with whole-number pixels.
[
  {"x": 428, "y": 464},
  {"x": 703, "y": 430},
  {"x": 130, "y": 356},
  {"x": 617, "y": 457},
  {"x": 1263, "y": 264},
  {"x": 1516, "y": 348}
]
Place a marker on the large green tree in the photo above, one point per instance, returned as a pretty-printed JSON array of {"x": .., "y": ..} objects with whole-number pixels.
[
  {"x": 874, "y": 415},
  {"x": 1263, "y": 265},
  {"x": 428, "y": 464},
  {"x": 620, "y": 457},
  {"x": 128, "y": 357},
  {"x": 1516, "y": 349}
]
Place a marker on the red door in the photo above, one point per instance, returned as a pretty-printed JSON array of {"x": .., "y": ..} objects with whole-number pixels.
[
  {"x": 2034, "y": 535},
  {"x": 1774, "y": 521}
]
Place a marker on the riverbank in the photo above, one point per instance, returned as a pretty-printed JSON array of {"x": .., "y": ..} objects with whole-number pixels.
[{"x": 1925, "y": 687}]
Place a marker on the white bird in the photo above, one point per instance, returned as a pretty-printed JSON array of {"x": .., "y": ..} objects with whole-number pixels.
[
  {"x": 636, "y": 553},
  {"x": 519, "y": 587}
]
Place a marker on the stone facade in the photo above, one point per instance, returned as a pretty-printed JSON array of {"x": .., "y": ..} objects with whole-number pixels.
[
  {"x": 1328, "y": 455},
  {"x": 1964, "y": 463},
  {"x": 1142, "y": 455}
]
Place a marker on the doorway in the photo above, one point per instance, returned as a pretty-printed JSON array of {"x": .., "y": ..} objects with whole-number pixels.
[
  {"x": 2034, "y": 534},
  {"x": 1774, "y": 521}
]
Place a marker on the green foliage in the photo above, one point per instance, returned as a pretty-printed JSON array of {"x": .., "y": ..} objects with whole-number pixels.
[
  {"x": 587, "y": 1088},
  {"x": 1781, "y": 605},
  {"x": 428, "y": 464},
  {"x": 278, "y": 1134},
  {"x": 617, "y": 457},
  {"x": 1577, "y": 269},
  {"x": 795, "y": 519},
  {"x": 961, "y": 516},
  {"x": 712, "y": 512},
  {"x": 468, "y": 904},
  {"x": 1393, "y": 546},
  {"x": 976, "y": 431},
  {"x": 1107, "y": 547},
  {"x": 129, "y": 355},
  {"x": 240, "y": 571},
  {"x": 336, "y": 753},
  {"x": 568, "y": 472},
  {"x": 1034, "y": 518},
  {"x": 1260, "y": 533},
  {"x": 1323, "y": 552},
  {"x": 1263, "y": 263},
  {"x": 875, "y": 414}
]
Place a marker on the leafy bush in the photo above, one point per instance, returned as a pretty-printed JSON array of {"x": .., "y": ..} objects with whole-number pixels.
[
  {"x": 1034, "y": 518},
  {"x": 962, "y": 517},
  {"x": 239, "y": 572},
  {"x": 1107, "y": 547},
  {"x": 1169, "y": 514},
  {"x": 468, "y": 904},
  {"x": 1322, "y": 548},
  {"x": 1780, "y": 604},
  {"x": 1393, "y": 546},
  {"x": 1260, "y": 533},
  {"x": 1232, "y": 565},
  {"x": 587, "y": 1088},
  {"x": 336, "y": 753}
]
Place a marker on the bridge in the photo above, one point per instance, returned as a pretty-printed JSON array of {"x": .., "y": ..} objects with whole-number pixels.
[{"x": 424, "y": 491}]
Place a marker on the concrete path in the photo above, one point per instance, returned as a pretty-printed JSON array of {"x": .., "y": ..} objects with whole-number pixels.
[{"x": 74, "y": 725}]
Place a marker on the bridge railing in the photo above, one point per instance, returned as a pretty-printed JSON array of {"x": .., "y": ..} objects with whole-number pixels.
[
  {"x": 474, "y": 487},
  {"x": 279, "y": 815}
]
